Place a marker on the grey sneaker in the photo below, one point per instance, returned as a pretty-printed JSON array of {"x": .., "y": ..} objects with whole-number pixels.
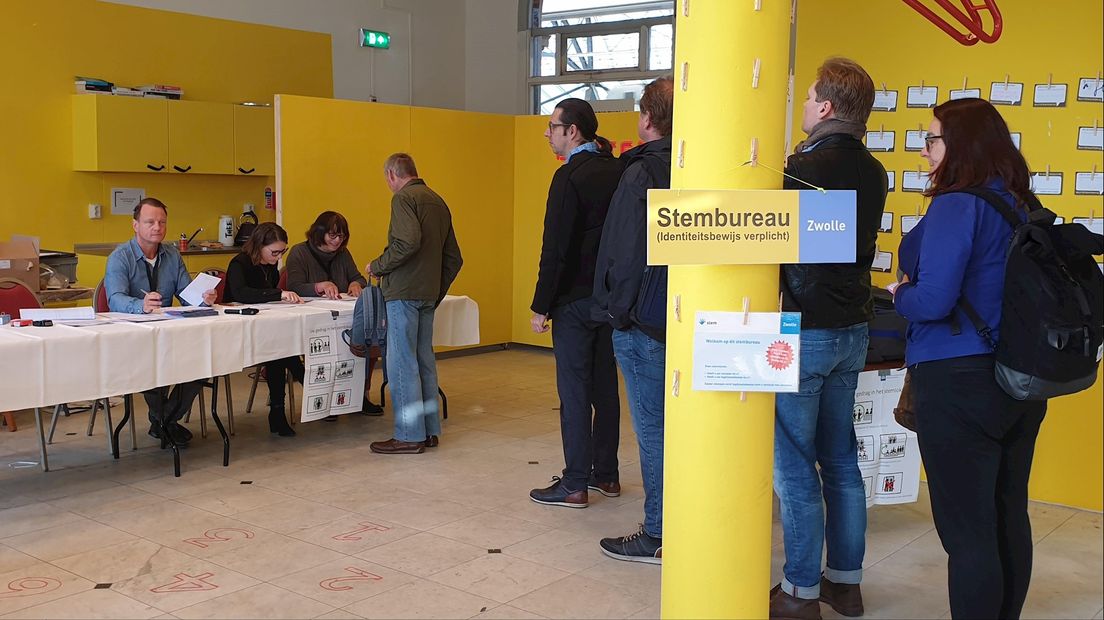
[{"x": 638, "y": 547}]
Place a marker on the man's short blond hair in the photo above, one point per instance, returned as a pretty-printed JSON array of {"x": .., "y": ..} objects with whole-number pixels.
[{"x": 402, "y": 165}]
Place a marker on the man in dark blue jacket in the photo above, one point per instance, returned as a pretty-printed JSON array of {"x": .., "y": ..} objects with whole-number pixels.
[{"x": 639, "y": 345}]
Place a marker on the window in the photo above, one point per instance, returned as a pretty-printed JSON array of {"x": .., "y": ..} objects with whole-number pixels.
[{"x": 598, "y": 50}]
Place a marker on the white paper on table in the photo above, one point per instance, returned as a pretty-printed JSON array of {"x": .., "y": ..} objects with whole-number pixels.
[
  {"x": 1088, "y": 183},
  {"x": 885, "y": 101},
  {"x": 81, "y": 313},
  {"x": 1006, "y": 93},
  {"x": 133, "y": 318},
  {"x": 880, "y": 141},
  {"x": 914, "y": 139},
  {"x": 966, "y": 93},
  {"x": 887, "y": 222},
  {"x": 1046, "y": 184},
  {"x": 203, "y": 282},
  {"x": 1090, "y": 89},
  {"x": 914, "y": 181},
  {"x": 1016, "y": 136},
  {"x": 84, "y": 322},
  {"x": 891, "y": 179},
  {"x": 888, "y": 454},
  {"x": 922, "y": 96},
  {"x": 908, "y": 222},
  {"x": 883, "y": 261},
  {"x": 1095, "y": 224},
  {"x": 1050, "y": 95},
  {"x": 1090, "y": 138}
]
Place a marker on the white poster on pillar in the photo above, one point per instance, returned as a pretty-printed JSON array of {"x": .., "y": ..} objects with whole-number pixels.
[
  {"x": 333, "y": 383},
  {"x": 889, "y": 456}
]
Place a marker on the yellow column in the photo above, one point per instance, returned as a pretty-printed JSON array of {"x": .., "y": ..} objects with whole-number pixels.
[{"x": 731, "y": 73}]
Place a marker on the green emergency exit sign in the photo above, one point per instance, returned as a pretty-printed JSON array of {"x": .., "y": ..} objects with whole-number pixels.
[{"x": 374, "y": 38}]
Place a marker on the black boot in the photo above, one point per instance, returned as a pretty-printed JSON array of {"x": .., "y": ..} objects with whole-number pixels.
[{"x": 277, "y": 423}]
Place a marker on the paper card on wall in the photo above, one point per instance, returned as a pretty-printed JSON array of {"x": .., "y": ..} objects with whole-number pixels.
[
  {"x": 914, "y": 139},
  {"x": 922, "y": 96},
  {"x": 1046, "y": 184},
  {"x": 914, "y": 181},
  {"x": 1050, "y": 96},
  {"x": 885, "y": 101},
  {"x": 887, "y": 222},
  {"x": 883, "y": 261},
  {"x": 1090, "y": 138},
  {"x": 1088, "y": 183},
  {"x": 880, "y": 141},
  {"x": 752, "y": 352},
  {"x": 1100, "y": 266},
  {"x": 124, "y": 199},
  {"x": 1090, "y": 89},
  {"x": 1006, "y": 93},
  {"x": 891, "y": 179},
  {"x": 1016, "y": 136},
  {"x": 966, "y": 93},
  {"x": 1059, "y": 220},
  {"x": 1095, "y": 224},
  {"x": 908, "y": 222}
]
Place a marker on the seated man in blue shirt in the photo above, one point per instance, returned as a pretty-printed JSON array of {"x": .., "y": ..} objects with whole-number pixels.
[{"x": 144, "y": 274}]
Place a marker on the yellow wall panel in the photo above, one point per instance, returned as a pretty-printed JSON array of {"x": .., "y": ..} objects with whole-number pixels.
[{"x": 1060, "y": 42}]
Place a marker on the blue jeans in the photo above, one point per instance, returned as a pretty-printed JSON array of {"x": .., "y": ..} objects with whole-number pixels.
[
  {"x": 814, "y": 426},
  {"x": 642, "y": 362},
  {"x": 412, "y": 369}
]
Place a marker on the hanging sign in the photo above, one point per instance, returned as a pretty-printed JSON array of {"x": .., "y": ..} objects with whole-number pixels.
[{"x": 747, "y": 351}]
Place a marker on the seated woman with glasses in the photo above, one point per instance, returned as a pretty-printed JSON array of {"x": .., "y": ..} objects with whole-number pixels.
[
  {"x": 252, "y": 278},
  {"x": 322, "y": 266}
]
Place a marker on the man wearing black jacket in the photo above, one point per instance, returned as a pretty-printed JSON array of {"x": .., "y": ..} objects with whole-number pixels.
[
  {"x": 639, "y": 344},
  {"x": 586, "y": 377},
  {"x": 827, "y": 506}
]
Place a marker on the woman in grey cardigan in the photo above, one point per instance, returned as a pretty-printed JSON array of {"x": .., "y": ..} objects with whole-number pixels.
[{"x": 322, "y": 266}]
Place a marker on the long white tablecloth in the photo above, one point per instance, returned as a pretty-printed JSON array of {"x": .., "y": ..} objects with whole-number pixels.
[{"x": 44, "y": 366}]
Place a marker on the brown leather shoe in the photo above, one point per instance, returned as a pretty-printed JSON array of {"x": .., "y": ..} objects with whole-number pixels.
[
  {"x": 431, "y": 441},
  {"x": 845, "y": 598},
  {"x": 394, "y": 446},
  {"x": 786, "y": 607},
  {"x": 609, "y": 489}
]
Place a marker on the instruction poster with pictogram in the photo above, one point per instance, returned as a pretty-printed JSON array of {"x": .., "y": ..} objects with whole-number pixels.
[
  {"x": 333, "y": 382},
  {"x": 747, "y": 351},
  {"x": 889, "y": 456}
]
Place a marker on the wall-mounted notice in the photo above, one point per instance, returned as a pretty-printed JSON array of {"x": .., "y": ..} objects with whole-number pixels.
[
  {"x": 908, "y": 222},
  {"x": 1094, "y": 224},
  {"x": 1006, "y": 93},
  {"x": 1016, "y": 137},
  {"x": 1050, "y": 96},
  {"x": 888, "y": 454},
  {"x": 334, "y": 380},
  {"x": 1090, "y": 89},
  {"x": 1090, "y": 138},
  {"x": 885, "y": 101},
  {"x": 966, "y": 93},
  {"x": 1088, "y": 183},
  {"x": 124, "y": 199},
  {"x": 887, "y": 222},
  {"x": 1059, "y": 220},
  {"x": 914, "y": 181},
  {"x": 890, "y": 178},
  {"x": 883, "y": 261},
  {"x": 752, "y": 352},
  {"x": 880, "y": 141},
  {"x": 1046, "y": 183},
  {"x": 914, "y": 139},
  {"x": 922, "y": 96}
]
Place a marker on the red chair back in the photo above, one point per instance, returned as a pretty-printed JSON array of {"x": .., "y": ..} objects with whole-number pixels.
[
  {"x": 220, "y": 290},
  {"x": 99, "y": 299},
  {"x": 283, "y": 280},
  {"x": 15, "y": 295}
]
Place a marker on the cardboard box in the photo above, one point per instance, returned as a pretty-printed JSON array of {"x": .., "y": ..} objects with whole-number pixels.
[{"x": 19, "y": 260}]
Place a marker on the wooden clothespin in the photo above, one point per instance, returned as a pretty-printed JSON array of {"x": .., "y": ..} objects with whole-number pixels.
[
  {"x": 1006, "y": 78},
  {"x": 747, "y": 312},
  {"x": 754, "y": 152},
  {"x": 884, "y": 90},
  {"x": 1092, "y": 177},
  {"x": 678, "y": 308},
  {"x": 1047, "y": 175},
  {"x": 1050, "y": 80},
  {"x": 755, "y": 71},
  {"x": 780, "y": 301},
  {"x": 964, "y": 82},
  {"x": 881, "y": 129},
  {"x": 758, "y": 5},
  {"x": 919, "y": 205}
]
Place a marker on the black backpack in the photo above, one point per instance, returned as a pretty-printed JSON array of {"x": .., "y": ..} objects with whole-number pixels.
[
  {"x": 1052, "y": 311},
  {"x": 650, "y": 309}
]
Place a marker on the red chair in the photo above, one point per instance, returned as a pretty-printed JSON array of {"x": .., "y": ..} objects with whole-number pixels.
[{"x": 14, "y": 296}]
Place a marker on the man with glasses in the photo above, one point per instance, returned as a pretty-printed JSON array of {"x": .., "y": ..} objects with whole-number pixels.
[
  {"x": 143, "y": 275},
  {"x": 416, "y": 269},
  {"x": 826, "y": 506}
]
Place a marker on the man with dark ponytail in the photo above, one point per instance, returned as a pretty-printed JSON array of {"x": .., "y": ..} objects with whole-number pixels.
[{"x": 586, "y": 376}]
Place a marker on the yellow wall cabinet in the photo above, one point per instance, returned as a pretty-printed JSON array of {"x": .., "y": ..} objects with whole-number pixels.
[
  {"x": 124, "y": 134},
  {"x": 254, "y": 141}
]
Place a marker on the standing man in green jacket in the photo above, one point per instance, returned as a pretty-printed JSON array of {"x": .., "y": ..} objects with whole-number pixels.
[{"x": 416, "y": 269}]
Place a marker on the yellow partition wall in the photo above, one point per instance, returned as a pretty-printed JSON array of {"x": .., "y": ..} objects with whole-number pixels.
[
  {"x": 1058, "y": 42},
  {"x": 331, "y": 154},
  {"x": 533, "y": 166}
]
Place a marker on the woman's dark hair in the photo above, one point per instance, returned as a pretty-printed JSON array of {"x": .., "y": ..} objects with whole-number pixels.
[
  {"x": 328, "y": 222},
  {"x": 264, "y": 234},
  {"x": 579, "y": 113},
  {"x": 978, "y": 149}
]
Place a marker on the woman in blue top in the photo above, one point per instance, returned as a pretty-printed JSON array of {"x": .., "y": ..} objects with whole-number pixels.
[{"x": 976, "y": 441}]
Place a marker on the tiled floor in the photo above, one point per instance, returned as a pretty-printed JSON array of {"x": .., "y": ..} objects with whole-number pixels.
[{"x": 325, "y": 529}]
